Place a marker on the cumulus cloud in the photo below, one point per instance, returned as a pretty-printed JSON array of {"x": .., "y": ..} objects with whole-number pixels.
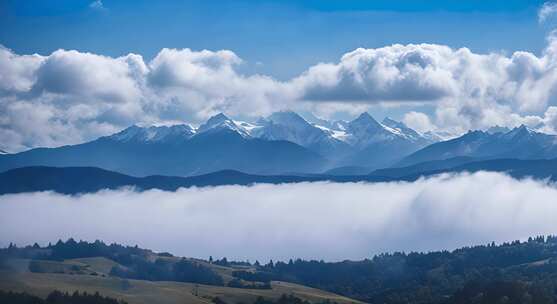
[
  {"x": 69, "y": 96},
  {"x": 547, "y": 10},
  {"x": 466, "y": 89},
  {"x": 418, "y": 121},
  {"x": 395, "y": 73},
  {"x": 307, "y": 220}
]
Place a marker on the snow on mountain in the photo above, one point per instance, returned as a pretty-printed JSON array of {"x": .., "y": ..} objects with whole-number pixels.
[
  {"x": 520, "y": 142},
  {"x": 519, "y": 133},
  {"x": 401, "y": 129},
  {"x": 222, "y": 122},
  {"x": 358, "y": 142},
  {"x": 365, "y": 131},
  {"x": 287, "y": 125},
  {"x": 154, "y": 134}
]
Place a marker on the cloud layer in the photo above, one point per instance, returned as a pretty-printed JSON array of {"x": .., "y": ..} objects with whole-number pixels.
[
  {"x": 70, "y": 96},
  {"x": 308, "y": 220}
]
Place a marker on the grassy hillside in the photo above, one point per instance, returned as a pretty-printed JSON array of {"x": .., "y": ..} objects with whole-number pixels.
[
  {"x": 480, "y": 274},
  {"x": 92, "y": 275}
]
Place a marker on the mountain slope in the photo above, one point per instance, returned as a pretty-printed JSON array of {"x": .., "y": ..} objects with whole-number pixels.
[
  {"x": 175, "y": 151},
  {"x": 292, "y": 127},
  {"x": 380, "y": 145},
  {"x": 520, "y": 143},
  {"x": 73, "y": 180}
]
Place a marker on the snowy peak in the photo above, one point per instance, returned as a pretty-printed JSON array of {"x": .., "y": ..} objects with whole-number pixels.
[
  {"x": 288, "y": 118},
  {"x": 290, "y": 126},
  {"x": 154, "y": 134},
  {"x": 365, "y": 131},
  {"x": 221, "y": 122},
  {"x": 520, "y": 132},
  {"x": 363, "y": 123},
  {"x": 402, "y": 129},
  {"x": 216, "y": 121}
]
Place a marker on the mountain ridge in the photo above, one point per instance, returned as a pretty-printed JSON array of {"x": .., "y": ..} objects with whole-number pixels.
[{"x": 73, "y": 180}]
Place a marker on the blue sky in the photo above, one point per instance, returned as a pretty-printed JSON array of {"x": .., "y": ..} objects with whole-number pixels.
[{"x": 277, "y": 38}]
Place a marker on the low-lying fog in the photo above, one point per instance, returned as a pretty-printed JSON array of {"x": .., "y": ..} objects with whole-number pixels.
[{"x": 327, "y": 221}]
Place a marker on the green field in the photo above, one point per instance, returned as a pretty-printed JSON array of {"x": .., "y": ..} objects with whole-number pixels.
[{"x": 92, "y": 276}]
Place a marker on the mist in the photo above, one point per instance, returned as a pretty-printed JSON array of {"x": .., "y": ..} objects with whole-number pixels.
[{"x": 330, "y": 221}]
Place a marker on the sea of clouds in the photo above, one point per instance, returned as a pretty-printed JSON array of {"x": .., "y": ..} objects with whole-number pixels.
[{"x": 330, "y": 221}]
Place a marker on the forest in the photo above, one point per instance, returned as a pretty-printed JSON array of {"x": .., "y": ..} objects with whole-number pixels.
[{"x": 521, "y": 271}]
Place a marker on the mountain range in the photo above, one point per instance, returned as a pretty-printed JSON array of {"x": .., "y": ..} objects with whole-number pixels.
[
  {"x": 74, "y": 180},
  {"x": 281, "y": 143},
  {"x": 521, "y": 143},
  {"x": 284, "y": 143}
]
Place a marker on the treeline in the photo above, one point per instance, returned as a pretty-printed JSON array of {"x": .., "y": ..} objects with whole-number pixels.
[
  {"x": 137, "y": 263},
  {"x": 434, "y": 277},
  {"x": 167, "y": 270},
  {"x": 57, "y": 297},
  {"x": 284, "y": 299},
  {"x": 481, "y": 292},
  {"x": 425, "y": 277},
  {"x": 73, "y": 250}
]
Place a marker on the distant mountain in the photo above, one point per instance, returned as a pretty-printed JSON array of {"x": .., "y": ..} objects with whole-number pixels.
[
  {"x": 425, "y": 168},
  {"x": 348, "y": 170},
  {"x": 282, "y": 142},
  {"x": 520, "y": 143},
  {"x": 363, "y": 142},
  {"x": 221, "y": 122},
  {"x": 153, "y": 134},
  {"x": 178, "y": 150},
  {"x": 381, "y": 144},
  {"x": 292, "y": 127},
  {"x": 72, "y": 180}
]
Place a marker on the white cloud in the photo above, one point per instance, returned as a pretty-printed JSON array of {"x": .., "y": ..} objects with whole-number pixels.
[
  {"x": 547, "y": 10},
  {"x": 17, "y": 71},
  {"x": 308, "y": 220},
  {"x": 70, "y": 96},
  {"x": 466, "y": 89},
  {"x": 418, "y": 121},
  {"x": 395, "y": 73},
  {"x": 83, "y": 95}
]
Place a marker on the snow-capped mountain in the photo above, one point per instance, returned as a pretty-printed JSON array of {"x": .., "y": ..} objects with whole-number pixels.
[
  {"x": 221, "y": 122},
  {"x": 219, "y": 144},
  {"x": 343, "y": 143},
  {"x": 377, "y": 144},
  {"x": 154, "y": 134},
  {"x": 283, "y": 142},
  {"x": 520, "y": 142},
  {"x": 292, "y": 127}
]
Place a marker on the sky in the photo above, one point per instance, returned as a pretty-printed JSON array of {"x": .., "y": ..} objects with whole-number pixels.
[
  {"x": 277, "y": 38},
  {"x": 74, "y": 70}
]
